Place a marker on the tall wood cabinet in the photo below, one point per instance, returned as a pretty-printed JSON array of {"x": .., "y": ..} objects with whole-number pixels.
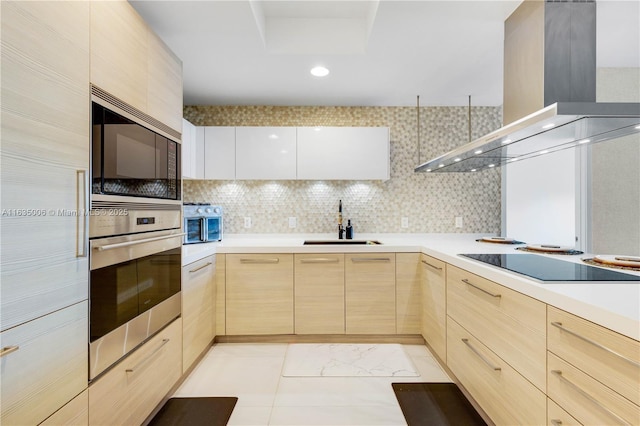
[{"x": 44, "y": 175}]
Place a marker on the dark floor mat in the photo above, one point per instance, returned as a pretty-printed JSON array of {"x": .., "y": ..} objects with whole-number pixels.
[
  {"x": 207, "y": 411},
  {"x": 435, "y": 404}
]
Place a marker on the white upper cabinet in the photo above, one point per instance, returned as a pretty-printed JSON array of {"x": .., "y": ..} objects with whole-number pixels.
[
  {"x": 267, "y": 153},
  {"x": 220, "y": 153},
  {"x": 188, "y": 149},
  {"x": 343, "y": 153}
]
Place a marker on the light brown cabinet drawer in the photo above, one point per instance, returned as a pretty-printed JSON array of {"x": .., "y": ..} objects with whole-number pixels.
[
  {"x": 607, "y": 356},
  {"x": 434, "y": 304},
  {"x": 319, "y": 293},
  {"x": 44, "y": 365},
  {"x": 586, "y": 399},
  {"x": 74, "y": 413},
  {"x": 130, "y": 391},
  {"x": 511, "y": 324},
  {"x": 506, "y": 396},
  {"x": 556, "y": 416}
]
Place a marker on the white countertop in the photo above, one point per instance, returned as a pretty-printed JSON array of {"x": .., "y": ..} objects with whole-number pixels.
[{"x": 614, "y": 305}]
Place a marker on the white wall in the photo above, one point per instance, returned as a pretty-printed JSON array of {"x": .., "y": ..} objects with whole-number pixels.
[{"x": 541, "y": 199}]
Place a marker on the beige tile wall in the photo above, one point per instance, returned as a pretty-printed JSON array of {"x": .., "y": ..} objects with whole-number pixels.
[{"x": 430, "y": 201}]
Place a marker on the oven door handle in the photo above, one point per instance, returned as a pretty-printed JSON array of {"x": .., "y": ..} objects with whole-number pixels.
[{"x": 131, "y": 243}]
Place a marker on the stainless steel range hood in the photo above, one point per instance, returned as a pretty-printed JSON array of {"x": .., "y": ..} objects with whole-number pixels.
[{"x": 549, "y": 91}]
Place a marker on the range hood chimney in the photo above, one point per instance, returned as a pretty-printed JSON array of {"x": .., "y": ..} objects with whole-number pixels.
[{"x": 549, "y": 91}]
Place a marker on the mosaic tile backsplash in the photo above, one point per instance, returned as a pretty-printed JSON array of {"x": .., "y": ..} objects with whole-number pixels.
[{"x": 431, "y": 202}]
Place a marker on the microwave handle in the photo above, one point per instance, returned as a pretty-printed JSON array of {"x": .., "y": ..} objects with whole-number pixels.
[{"x": 131, "y": 243}]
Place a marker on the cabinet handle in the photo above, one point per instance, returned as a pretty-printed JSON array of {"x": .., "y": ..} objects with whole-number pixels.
[
  {"x": 274, "y": 260},
  {"x": 81, "y": 210},
  {"x": 466, "y": 281},
  {"x": 132, "y": 243},
  {"x": 320, "y": 260},
  {"x": 202, "y": 267},
  {"x": 594, "y": 343},
  {"x": 8, "y": 349},
  {"x": 556, "y": 422},
  {"x": 482, "y": 357},
  {"x": 584, "y": 393},
  {"x": 370, "y": 259},
  {"x": 437, "y": 268},
  {"x": 145, "y": 359}
]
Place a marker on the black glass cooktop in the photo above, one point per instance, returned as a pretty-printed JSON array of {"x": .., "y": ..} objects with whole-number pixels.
[{"x": 547, "y": 269}]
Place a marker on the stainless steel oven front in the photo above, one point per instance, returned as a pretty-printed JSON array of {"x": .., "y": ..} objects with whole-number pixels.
[{"x": 135, "y": 276}]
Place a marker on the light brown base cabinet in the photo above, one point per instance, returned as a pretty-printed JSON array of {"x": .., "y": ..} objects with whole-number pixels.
[
  {"x": 434, "y": 304},
  {"x": 319, "y": 293},
  {"x": 408, "y": 293},
  {"x": 259, "y": 294},
  {"x": 198, "y": 303},
  {"x": 370, "y": 293}
]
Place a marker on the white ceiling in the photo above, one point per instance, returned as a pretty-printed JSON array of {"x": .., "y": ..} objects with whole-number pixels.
[{"x": 380, "y": 53}]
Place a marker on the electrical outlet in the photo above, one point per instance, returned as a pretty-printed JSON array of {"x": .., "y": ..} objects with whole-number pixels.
[
  {"x": 458, "y": 221},
  {"x": 293, "y": 222},
  {"x": 247, "y": 222},
  {"x": 404, "y": 222}
]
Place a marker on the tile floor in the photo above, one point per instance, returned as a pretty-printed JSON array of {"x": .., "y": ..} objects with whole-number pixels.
[{"x": 253, "y": 373}]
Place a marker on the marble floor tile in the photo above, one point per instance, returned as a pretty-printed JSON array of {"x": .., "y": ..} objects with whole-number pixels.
[
  {"x": 249, "y": 416},
  {"x": 347, "y": 360},
  {"x": 335, "y": 391},
  {"x": 338, "y": 415}
]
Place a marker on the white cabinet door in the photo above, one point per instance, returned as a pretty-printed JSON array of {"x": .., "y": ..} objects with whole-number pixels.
[
  {"x": 188, "y": 149},
  {"x": 343, "y": 153},
  {"x": 219, "y": 153},
  {"x": 266, "y": 153}
]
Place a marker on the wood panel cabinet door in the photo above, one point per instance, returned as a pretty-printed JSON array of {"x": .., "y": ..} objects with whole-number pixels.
[
  {"x": 319, "y": 293},
  {"x": 434, "y": 304},
  {"x": 259, "y": 293},
  {"x": 408, "y": 293},
  {"x": 119, "y": 46},
  {"x": 198, "y": 291},
  {"x": 221, "y": 298},
  {"x": 266, "y": 153},
  {"x": 44, "y": 365},
  {"x": 75, "y": 413},
  {"x": 370, "y": 293},
  {"x": 164, "y": 83},
  {"x": 45, "y": 158}
]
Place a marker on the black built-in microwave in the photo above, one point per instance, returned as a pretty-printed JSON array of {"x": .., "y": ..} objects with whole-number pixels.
[{"x": 130, "y": 159}]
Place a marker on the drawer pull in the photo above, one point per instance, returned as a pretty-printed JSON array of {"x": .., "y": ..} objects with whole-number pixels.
[
  {"x": 482, "y": 357},
  {"x": 370, "y": 259},
  {"x": 556, "y": 422},
  {"x": 467, "y": 282},
  {"x": 8, "y": 349},
  {"x": 202, "y": 267},
  {"x": 257, "y": 261},
  {"x": 145, "y": 359},
  {"x": 320, "y": 260},
  {"x": 437, "y": 268},
  {"x": 594, "y": 343},
  {"x": 584, "y": 393}
]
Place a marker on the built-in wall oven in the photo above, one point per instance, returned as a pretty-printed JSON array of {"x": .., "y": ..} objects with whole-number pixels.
[{"x": 135, "y": 230}]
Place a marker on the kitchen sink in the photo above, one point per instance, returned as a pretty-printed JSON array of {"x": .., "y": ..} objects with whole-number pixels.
[{"x": 342, "y": 242}]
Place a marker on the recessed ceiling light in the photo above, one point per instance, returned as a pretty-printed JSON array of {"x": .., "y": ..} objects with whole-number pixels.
[
  {"x": 478, "y": 152},
  {"x": 548, "y": 126},
  {"x": 320, "y": 71}
]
